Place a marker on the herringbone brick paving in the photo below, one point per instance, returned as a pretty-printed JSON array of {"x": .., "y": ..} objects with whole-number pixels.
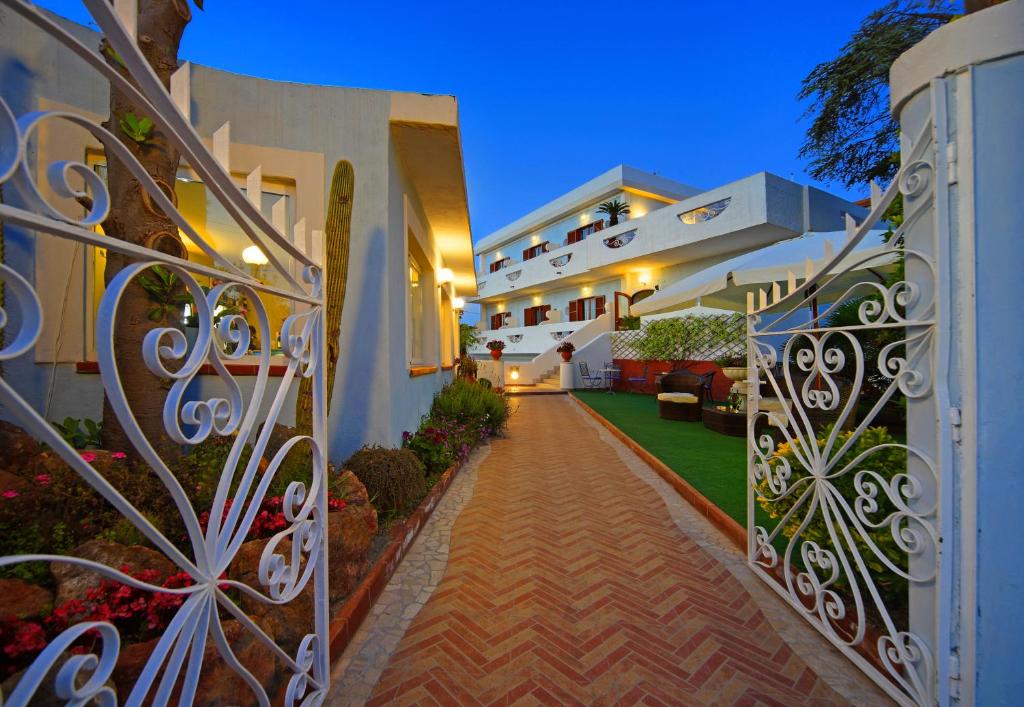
[{"x": 569, "y": 583}]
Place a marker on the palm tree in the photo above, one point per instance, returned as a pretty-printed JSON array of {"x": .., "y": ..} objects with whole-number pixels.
[{"x": 613, "y": 209}]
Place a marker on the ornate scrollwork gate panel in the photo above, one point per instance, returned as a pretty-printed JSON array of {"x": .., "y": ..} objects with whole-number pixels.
[
  {"x": 844, "y": 496},
  {"x": 293, "y": 561}
]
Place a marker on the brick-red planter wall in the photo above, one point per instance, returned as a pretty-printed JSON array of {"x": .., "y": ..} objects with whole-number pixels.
[{"x": 634, "y": 369}]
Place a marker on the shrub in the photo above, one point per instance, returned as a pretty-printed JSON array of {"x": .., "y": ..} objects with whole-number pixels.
[
  {"x": 887, "y": 462},
  {"x": 484, "y": 383},
  {"x": 496, "y": 345},
  {"x": 566, "y": 346},
  {"x": 80, "y": 433},
  {"x": 470, "y": 404},
  {"x": 394, "y": 478},
  {"x": 467, "y": 367},
  {"x": 439, "y": 443}
]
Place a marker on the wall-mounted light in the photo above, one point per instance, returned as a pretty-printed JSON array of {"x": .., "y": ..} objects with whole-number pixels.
[
  {"x": 586, "y": 289},
  {"x": 254, "y": 256},
  {"x": 536, "y": 299},
  {"x": 444, "y": 276},
  {"x": 514, "y": 373},
  {"x": 458, "y": 303},
  {"x": 637, "y": 212},
  {"x": 644, "y": 278}
]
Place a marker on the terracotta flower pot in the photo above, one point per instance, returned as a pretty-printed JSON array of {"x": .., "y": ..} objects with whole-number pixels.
[
  {"x": 496, "y": 354},
  {"x": 566, "y": 355}
]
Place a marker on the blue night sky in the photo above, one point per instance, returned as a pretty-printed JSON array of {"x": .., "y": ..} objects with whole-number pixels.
[{"x": 554, "y": 93}]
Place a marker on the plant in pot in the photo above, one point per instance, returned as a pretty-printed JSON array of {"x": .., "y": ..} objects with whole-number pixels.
[
  {"x": 613, "y": 209},
  {"x": 734, "y": 367},
  {"x": 566, "y": 348},
  {"x": 496, "y": 346}
]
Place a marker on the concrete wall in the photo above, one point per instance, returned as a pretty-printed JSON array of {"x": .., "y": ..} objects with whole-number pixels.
[{"x": 298, "y": 132}]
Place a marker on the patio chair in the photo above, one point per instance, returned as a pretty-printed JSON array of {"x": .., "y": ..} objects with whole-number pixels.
[
  {"x": 642, "y": 379},
  {"x": 589, "y": 381},
  {"x": 705, "y": 382}
]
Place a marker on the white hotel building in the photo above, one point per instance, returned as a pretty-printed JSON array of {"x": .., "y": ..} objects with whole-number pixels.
[{"x": 563, "y": 272}]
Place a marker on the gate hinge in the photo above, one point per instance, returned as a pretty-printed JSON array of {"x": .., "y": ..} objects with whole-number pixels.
[
  {"x": 954, "y": 675},
  {"x": 951, "y": 169},
  {"x": 955, "y": 423}
]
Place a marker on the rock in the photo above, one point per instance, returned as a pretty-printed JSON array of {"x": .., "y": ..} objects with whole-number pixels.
[
  {"x": 349, "y": 535},
  {"x": 352, "y": 489},
  {"x": 17, "y": 446},
  {"x": 24, "y": 600},
  {"x": 218, "y": 683},
  {"x": 10, "y": 481},
  {"x": 289, "y": 622},
  {"x": 74, "y": 581}
]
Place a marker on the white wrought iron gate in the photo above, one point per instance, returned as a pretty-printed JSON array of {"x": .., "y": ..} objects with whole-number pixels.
[
  {"x": 847, "y": 521},
  {"x": 294, "y": 558}
]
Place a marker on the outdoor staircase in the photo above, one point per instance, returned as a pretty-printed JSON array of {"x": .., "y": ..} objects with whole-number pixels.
[{"x": 549, "y": 384}]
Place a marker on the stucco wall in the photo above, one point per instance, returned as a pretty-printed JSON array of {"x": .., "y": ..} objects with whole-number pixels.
[{"x": 374, "y": 397}]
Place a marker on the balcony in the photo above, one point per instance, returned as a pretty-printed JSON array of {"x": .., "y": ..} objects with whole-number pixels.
[
  {"x": 750, "y": 213},
  {"x": 526, "y": 340}
]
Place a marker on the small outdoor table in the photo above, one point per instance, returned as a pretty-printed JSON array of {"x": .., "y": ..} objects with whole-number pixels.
[
  {"x": 726, "y": 422},
  {"x": 608, "y": 381}
]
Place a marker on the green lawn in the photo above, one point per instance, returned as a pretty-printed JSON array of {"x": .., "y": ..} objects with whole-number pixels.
[{"x": 713, "y": 463}]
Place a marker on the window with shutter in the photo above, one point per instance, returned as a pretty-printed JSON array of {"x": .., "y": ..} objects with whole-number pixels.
[
  {"x": 599, "y": 306},
  {"x": 574, "y": 310}
]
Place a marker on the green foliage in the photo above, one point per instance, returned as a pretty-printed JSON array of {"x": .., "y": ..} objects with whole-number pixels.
[
  {"x": 484, "y": 383},
  {"x": 629, "y": 322},
  {"x": 467, "y": 367},
  {"x": 138, "y": 129},
  {"x": 469, "y": 336},
  {"x": 80, "y": 434},
  {"x": 394, "y": 478},
  {"x": 166, "y": 292},
  {"x": 613, "y": 209},
  {"x": 686, "y": 338},
  {"x": 852, "y": 137},
  {"x": 495, "y": 345},
  {"x": 887, "y": 461},
  {"x": 472, "y": 404}
]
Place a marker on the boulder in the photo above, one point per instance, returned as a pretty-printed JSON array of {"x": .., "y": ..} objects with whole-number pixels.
[
  {"x": 74, "y": 581},
  {"x": 218, "y": 683},
  {"x": 289, "y": 622},
  {"x": 349, "y": 535},
  {"x": 24, "y": 600},
  {"x": 18, "y": 446}
]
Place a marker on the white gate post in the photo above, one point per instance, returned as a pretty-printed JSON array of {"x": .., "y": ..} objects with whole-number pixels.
[{"x": 969, "y": 78}]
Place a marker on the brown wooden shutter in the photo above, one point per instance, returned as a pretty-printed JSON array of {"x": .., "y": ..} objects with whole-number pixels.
[
  {"x": 528, "y": 316},
  {"x": 543, "y": 310},
  {"x": 599, "y": 306},
  {"x": 574, "y": 311},
  {"x": 599, "y": 225}
]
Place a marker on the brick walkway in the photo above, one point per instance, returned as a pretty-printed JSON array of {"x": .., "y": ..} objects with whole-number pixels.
[{"x": 569, "y": 581}]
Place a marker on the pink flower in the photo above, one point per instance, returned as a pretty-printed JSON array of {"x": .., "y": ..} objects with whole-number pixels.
[
  {"x": 88, "y": 457},
  {"x": 10, "y": 493},
  {"x": 119, "y": 455},
  {"x": 42, "y": 479}
]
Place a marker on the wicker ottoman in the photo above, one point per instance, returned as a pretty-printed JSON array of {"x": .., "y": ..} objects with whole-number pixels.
[{"x": 679, "y": 406}]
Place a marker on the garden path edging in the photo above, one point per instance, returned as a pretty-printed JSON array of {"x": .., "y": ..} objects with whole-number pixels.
[
  {"x": 354, "y": 610},
  {"x": 736, "y": 533}
]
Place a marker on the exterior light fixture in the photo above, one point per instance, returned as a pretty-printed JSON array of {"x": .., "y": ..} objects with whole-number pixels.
[
  {"x": 514, "y": 373},
  {"x": 458, "y": 303},
  {"x": 254, "y": 256},
  {"x": 445, "y": 275}
]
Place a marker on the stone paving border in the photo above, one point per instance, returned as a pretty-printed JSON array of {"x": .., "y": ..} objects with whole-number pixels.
[
  {"x": 824, "y": 659},
  {"x": 356, "y": 673}
]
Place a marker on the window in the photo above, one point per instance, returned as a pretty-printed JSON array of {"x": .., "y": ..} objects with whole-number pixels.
[
  {"x": 205, "y": 213},
  {"x": 586, "y": 308},
  {"x": 498, "y": 320},
  {"x": 534, "y": 251},
  {"x": 499, "y": 264},
  {"x": 417, "y": 296},
  {"x": 532, "y": 316},
  {"x": 583, "y": 231}
]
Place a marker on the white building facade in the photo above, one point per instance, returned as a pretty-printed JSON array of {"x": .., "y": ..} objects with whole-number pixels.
[{"x": 565, "y": 272}]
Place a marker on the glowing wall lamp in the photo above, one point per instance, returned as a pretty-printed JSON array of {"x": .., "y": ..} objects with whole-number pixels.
[
  {"x": 254, "y": 256},
  {"x": 458, "y": 303},
  {"x": 514, "y": 373},
  {"x": 444, "y": 276}
]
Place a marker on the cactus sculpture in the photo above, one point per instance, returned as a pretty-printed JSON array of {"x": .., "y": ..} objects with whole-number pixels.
[{"x": 337, "y": 233}]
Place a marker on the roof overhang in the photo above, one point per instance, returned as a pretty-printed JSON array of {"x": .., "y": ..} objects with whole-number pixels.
[{"x": 425, "y": 130}]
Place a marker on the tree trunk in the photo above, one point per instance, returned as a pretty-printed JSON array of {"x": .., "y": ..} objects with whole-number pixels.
[
  {"x": 337, "y": 234},
  {"x": 161, "y": 24}
]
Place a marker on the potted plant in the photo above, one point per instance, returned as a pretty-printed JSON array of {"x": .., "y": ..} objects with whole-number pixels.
[
  {"x": 496, "y": 346},
  {"x": 734, "y": 367},
  {"x": 566, "y": 348},
  {"x": 613, "y": 209}
]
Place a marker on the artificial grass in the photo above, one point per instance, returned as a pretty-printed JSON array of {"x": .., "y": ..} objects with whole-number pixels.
[{"x": 713, "y": 463}]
